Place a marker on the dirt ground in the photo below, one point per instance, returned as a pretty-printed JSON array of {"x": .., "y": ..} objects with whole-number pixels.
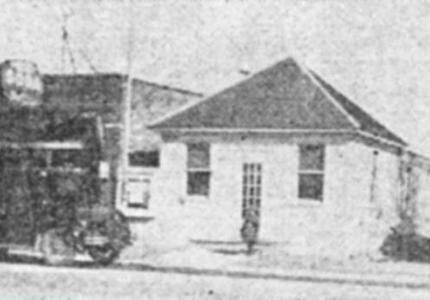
[{"x": 20, "y": 281}]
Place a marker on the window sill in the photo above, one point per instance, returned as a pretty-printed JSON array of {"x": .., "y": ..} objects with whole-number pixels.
[
  {"x": 307, "y": 203},
  {"x": 137, "y": 212},
  {"x": 197, "y": 198},
  {"x": 141, "y": 171}
]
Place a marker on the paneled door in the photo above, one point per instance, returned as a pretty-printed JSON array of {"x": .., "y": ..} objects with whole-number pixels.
[{"x": 251, "y": 188}]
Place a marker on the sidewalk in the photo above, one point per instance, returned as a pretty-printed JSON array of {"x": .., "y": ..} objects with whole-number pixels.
[
  {"x": 200, "y": 260},
  {"x": 266, "y": 263}
]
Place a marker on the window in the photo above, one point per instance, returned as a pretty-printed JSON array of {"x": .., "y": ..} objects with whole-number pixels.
[
  {"x": 198, "y": 183},
  {"x": 149, "y": 159},
  {"x": 311, "y": 172},
  {"x": 251, "y": 188},
  {"x": 198, "y": 166},
  {"x": 138, "y": 193}
]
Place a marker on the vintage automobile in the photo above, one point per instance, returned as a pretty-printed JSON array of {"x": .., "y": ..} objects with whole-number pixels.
[{"x": 55, "y": 185}]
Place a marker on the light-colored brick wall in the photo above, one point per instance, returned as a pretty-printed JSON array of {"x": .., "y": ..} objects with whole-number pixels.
[
  {"x": 169, "y": 183},
  {"x": 346, "y": 221},
  {"x": 423, "y": 203}
]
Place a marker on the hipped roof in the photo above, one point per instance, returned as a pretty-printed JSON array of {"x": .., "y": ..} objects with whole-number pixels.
[{"x": 284, "y": 97}]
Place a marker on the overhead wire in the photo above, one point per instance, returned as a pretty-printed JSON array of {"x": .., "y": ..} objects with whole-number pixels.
[
  {"x": 66, "y": 49},
  {"x": 63, "y": 16},
  {"x": 88, "y": 60}
]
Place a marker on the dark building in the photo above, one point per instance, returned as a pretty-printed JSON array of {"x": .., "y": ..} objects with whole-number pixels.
[{"x": 104, "y": 94}]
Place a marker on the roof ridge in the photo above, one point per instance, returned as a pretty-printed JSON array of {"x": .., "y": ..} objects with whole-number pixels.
[
  {"x": 307, "y": 72},
  {"x": 327, "y": 86}
]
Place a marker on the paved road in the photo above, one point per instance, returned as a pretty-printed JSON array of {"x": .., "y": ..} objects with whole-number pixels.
[{"x": 21, "y": 281}]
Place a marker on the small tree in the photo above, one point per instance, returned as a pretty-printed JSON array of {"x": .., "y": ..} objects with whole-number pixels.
[{"x": 406, "y": 205}]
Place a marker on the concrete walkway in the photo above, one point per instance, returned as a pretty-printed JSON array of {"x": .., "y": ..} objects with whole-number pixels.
[{"x": 196, "y": 260}]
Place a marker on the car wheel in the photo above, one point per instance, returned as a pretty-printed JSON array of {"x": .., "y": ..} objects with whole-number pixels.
[
  {"x": 103, "y": 255},
  {"x": 54, "y": 249}
]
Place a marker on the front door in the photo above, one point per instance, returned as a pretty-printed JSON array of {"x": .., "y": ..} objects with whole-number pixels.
[{"x": 251, "y": 188}]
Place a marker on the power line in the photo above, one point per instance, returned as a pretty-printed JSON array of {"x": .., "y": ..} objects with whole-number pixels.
[
  {"x": 88, "y": 60},
  {"x": 71, "y": 56},
  {"x": 64, "y": 16},
  {"x": 65, "y": 47}
]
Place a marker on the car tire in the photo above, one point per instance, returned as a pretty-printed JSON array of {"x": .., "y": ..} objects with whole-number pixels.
[
  {"x": 103, "y": 255},
  {"x": 54, "y": 249}
]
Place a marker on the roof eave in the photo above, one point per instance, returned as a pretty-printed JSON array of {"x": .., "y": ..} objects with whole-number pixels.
[
  {"x": 399, "y": 144},
  {"x": 240, "y": 130}
]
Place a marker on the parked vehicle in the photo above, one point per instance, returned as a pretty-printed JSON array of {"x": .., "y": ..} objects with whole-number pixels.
[
  {"x": 56, "y": 188},
  {"x": 100, "y": 233}
]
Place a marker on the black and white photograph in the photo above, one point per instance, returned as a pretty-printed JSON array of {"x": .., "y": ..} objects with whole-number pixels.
[{"x": 214, "y": 149}]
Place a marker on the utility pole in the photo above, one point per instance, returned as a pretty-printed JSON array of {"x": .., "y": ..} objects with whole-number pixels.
[{"x": 126, "y": 116}]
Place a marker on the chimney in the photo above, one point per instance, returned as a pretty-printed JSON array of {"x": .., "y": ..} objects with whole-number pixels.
[{"x": 244, "y": 72}]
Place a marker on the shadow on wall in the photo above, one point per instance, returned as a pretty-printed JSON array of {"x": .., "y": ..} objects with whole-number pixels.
[{"x": 403, "y": 244}]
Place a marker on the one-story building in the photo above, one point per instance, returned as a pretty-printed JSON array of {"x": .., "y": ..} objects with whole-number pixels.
[{"x": 321, "y": 172}]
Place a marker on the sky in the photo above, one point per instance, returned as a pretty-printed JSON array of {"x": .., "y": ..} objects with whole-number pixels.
[{"x": 375, "y": 52}]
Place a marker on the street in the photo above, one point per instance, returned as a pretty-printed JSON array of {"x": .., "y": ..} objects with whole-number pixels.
[{"x": 21, "y": 281}]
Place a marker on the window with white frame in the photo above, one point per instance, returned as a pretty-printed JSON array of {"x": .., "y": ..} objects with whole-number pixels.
[
  {"x": 149, "y": 159},
  {"x": 198, "y": 169},
  {"x": 311, "y": 172},
  {"x": 138, "y": 192}
]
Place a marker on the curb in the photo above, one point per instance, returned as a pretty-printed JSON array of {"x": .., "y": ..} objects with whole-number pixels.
[{"x": 298, "y": 275}]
